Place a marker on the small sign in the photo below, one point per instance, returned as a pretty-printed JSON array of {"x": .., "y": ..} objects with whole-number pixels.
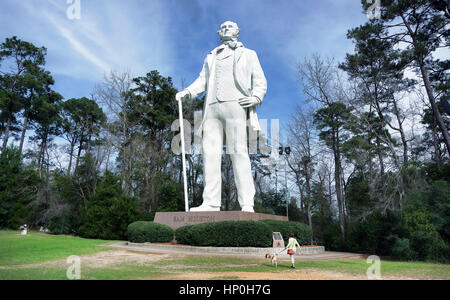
[{"x": 278, "y": 241}]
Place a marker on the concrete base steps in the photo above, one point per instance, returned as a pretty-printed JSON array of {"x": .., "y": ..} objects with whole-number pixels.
[
  {"x": 305, "y": 253},
  {"x": 229, "y": 250}
]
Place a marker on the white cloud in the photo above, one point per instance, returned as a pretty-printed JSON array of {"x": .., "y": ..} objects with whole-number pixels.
[
  {"x": 109, "y": 35},
  {"x": 78, "y": 46}
]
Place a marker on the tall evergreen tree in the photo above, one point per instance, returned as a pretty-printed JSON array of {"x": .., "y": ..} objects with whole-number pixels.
[
  {"x": 47, "y": 124},
  {"x": 152, "y": 109},
  {"x": 332, "y": 121},
  {"x": 21, "y": 58},
  {"x": 38, "y": 84},
  {"x": 82, "y": 120},
  {"x": 378, "y": 70},
  {"x": 419, "y": 28}
]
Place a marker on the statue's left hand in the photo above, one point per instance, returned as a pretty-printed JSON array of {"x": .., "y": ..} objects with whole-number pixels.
[{"x": 249, "y": 101}]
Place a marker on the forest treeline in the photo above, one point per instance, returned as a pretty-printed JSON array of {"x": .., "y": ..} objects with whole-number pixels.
[{"x": 368, "y": 169}]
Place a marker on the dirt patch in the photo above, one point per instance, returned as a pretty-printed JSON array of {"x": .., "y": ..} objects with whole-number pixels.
[
  {"x": 294, "y": 275},
  {"x": 109, "y": 258},
  {"x": 106, "y": 259}
]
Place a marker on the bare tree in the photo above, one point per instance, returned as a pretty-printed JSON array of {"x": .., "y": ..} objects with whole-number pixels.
[
  {"x": 113, "y": 94},
  {"x": 303, "y": 139},
  {"x": 319, "y": 80}
]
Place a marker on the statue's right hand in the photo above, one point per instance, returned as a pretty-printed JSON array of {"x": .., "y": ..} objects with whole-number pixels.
[{"x": 183, "y": 95}]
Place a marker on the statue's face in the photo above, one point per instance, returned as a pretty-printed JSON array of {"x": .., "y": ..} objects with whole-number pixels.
[{"x": 228, "y": 31}]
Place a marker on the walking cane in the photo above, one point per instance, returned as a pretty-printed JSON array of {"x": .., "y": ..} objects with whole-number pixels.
[{"x": 183, "y": 154}]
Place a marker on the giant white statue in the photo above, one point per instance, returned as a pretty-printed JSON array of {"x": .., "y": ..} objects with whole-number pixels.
[{"x": 235, "y": 84}]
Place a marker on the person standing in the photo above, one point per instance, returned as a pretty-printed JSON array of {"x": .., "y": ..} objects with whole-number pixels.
[{"x": 292, "y": 245}]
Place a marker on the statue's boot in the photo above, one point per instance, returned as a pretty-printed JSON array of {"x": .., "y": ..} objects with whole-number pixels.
[
  {"x": 203, "y": 207},
  {"x": 248, "y": 209}
]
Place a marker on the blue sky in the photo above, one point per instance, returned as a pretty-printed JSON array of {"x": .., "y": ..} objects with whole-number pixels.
[{"x": 173, "y": 37}]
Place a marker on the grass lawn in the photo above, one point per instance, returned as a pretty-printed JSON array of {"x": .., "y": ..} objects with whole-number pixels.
[
  {"x": 16, "y": 249},
  {"x": 42, "y": 256}
]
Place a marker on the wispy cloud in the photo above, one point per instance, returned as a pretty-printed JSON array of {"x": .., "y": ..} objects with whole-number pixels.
[
  {"x": 78, "y": 46},
  {"x": 108, "y": 36}
]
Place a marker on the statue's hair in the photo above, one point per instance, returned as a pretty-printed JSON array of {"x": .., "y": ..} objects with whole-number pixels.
[{"x": 231, "y": 23}]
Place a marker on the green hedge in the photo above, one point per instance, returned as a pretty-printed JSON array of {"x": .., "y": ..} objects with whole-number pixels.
[
  {"x": 143, "y": 232},
  {"x": 226, "y": 234},
  {"x": 301, "y": 232}
]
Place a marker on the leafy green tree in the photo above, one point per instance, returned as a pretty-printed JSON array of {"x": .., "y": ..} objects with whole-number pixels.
[
  {"x": 378, "y": 69},
  {"x": 432, "y": 139},
  {"x": 323, "y": 214},
  {"x": 333, "y": 121},
  {"x": 63, "y": 210},
  {"x": 421, "y": 27},
  {"x": 47, "y": 125},
  {"x": 435, "y": 202},
  {"x": 21, "y": 58},
  {"x": 38, "y": 84},
  {"x": 359, "y": 199},
  {"x": 82, "y": 120},
  {"x": 152, "y": 109},
  {"x": 171, "y": 195},
  {"x": 152, "y": 104},
  {"x": 18, "y": 185},
  {"x": 376, "y": 140},
  {"x": 273, "y": 202},
  {"x": 109, "y": 211}
]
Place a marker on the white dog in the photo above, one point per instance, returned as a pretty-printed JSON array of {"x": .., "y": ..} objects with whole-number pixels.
[{"x": 273, "y": 259}]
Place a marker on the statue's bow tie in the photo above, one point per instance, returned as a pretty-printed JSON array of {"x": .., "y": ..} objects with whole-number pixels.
[{"x": 233, "y": 44}]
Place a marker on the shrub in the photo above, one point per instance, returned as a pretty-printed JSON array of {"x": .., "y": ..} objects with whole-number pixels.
[
  {"x": 109, "y": 211},
  {"x": 330, "y": 235},
  {"x": 226, "y": 234},
  {"x": 18, "y": 185},
  {"x": 183, "y": 235},
  {"x": 143, "y": 232},
  {"x": 401, "y": 248},
  {"x": 375, "y": 233},
  {"x": 301, "y": 232},
  {"x": 429, "y": 247},
  {"x": 171, "y": 197}
]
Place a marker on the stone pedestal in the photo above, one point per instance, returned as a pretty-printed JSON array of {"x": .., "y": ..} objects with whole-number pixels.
[{"x": 180, "y": 219}]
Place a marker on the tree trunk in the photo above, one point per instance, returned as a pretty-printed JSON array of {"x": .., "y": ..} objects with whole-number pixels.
[
  {"x": 302, "y": 196},
  {"x": 5, "y": 139},
  {"x": 380, "y": 156},
  {"x": 300, "y": 189},
  {"x": 436, "y": 113},
  {"x": 22, "y": 138},
  {"x": 337, "y": 181},
  {"x": 308, "y": 195},
  {"x": 402, "y": 132},
  {"x": 1, "y": 129},
  {"x": 72, "y": 147},
  {"x": 79, "y": 154},
  {"x": 437, "y": 150},
  {"x": 42, "y": 150}
]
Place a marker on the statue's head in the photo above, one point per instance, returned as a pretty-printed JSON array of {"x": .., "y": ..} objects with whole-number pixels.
[{"x": 229, "y": 31}]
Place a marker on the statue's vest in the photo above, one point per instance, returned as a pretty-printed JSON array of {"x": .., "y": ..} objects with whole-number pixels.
[{"x": 226, "y": 89}]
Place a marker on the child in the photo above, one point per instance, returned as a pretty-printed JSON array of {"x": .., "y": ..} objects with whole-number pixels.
[{"x": 292, "y": 244}]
